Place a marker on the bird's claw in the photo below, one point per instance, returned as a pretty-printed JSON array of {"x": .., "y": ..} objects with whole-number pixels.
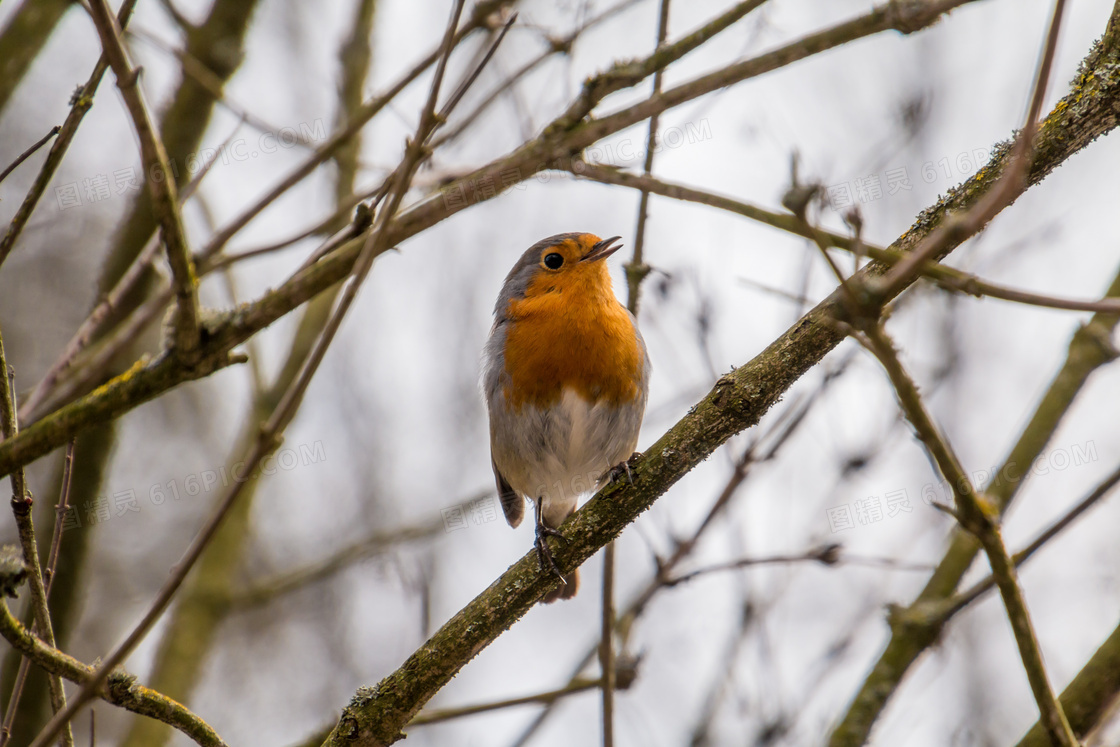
[
  {"x": 544, "y": 553},
  {"x": 616, "y": 472}
]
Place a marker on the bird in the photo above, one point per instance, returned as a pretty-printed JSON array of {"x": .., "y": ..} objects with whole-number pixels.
[{"x": 566, "y": 378}]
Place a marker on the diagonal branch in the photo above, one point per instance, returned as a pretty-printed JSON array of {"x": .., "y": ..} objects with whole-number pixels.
[
  {"x": 479, "y": 16},
  {"x": 1012, "y": 181},
  {"x": 48, "y": 577},
  {"x": 944, "y": 610},
  {"x": 29, "y": 152},
  {"x": 1089, "y": 349},
  {"x": 979, "y": 516},
  {"x": 1088, "y": 698},
  {"x": 165, "y": 202},
  {"x": 912, "y": 628}
]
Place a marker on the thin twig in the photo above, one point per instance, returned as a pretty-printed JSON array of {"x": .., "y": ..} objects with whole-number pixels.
[
  {"x": 263, "y": 592},
  {"x": 27, "y": 153},
  {"x": 60, "y": 514},
  {"x": 636, "y": 271},
  {"x": 477, "y": 20},
  {"x": 91, "y": 366},
  {"x": 467, "y": 82},
  {"x": 435, "y": 716},
  {"x": 606, "y": 646},
  {"x": 828, "y": 555},
  {"x": 952, "y": 605},
  {"x": 48, "y": 575},
  {"x": 198, "y": 71},
  {"x": 555, "y": 47},
  {"x": 92, "y": 325},
  {"x": 797, "y": 200},
  {"x": 222, "y": 261}
]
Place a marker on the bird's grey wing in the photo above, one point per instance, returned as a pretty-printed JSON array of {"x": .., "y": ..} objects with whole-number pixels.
[{"x": 513, "y": 505}]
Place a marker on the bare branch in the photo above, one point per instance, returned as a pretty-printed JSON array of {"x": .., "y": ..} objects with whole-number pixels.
[
  {"x": 954, "y": 604},
  {"x": 29, "y": 152},
  {"x": 165, "y": 201},
  {"x": 980, "y": 517},
  {"x": 378, "y": 543},
  {"x": 48, "y": 574},
  {"x": 1091, "y": 115},
  {"x": 79, "y": 105},
  {"x": 1090, "y": 348},
  {"x": 120, "y": 690},
  {"x": 22, "y": 503},
  {"x": 269, "y": 437},
  {"x": 477, "y": 20},
  {"x": 436, "y": 716},
  {"x": 946, "y": 277}
]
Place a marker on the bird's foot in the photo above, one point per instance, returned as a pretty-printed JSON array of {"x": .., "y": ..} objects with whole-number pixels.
[
  {"x": 615, "y": 473},
  {"x": 544, "y": 552}
]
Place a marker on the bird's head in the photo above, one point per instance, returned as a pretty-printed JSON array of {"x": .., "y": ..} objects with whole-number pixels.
[{"x": 565, "y": 264}]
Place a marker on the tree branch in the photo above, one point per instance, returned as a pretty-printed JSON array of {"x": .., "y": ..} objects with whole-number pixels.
[
  {"x": 22, "y": 503},
  {"x": 1089, "y": 696},
  {"x": 980, "y": 517},
  {"x": 165, "y": 201},
  {"x": 948, "y": 278},
  {"x": 79, "y": 105},
  {"x": 912, "y": 628},
  {"x": 29, "y": 152},
  {"x": 376, "y": 715},
  {"x": 120, "y": 690}
]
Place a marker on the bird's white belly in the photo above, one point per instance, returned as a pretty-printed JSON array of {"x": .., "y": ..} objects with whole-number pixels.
[{"x": 567, "y": 450}]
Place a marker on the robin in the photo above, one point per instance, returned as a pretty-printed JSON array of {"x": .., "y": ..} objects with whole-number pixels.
[{"x": 566, "y": 377}]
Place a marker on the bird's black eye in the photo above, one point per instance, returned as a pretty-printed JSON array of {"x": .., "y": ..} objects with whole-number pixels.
[{"x": 553, "y": 261}]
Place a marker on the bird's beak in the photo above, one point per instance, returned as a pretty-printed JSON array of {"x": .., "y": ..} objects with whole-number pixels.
[{"x": 602, "y": 250}]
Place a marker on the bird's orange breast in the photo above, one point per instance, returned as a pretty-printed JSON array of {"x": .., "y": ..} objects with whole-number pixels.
[{"x": 571, "y": 332}]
